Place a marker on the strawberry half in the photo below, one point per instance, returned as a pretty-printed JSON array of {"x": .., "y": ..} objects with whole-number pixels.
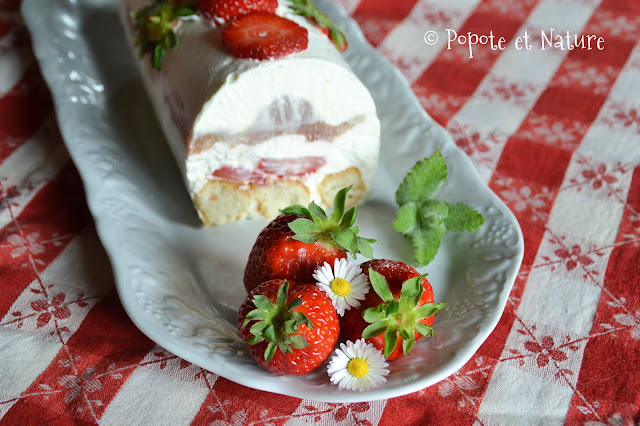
[
  {"x": 397, "y": 313},
  {"x": 301, "y": 239},
  {"x": 262, "y": 35},
  {"x": 221, "y": 11},
  {"x": 290, "y": 328}
]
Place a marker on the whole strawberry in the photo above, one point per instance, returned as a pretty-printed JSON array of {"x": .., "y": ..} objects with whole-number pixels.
[
  {"x": 222, "y": 11},
  {"x": 397, "y": 313},
  {"x": 290, "y": 328},
  {"x": 301, "y": 239}
]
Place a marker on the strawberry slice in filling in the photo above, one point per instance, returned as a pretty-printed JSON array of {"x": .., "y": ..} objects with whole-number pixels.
[
  {"x": 290, "y": 167},
  {"x": 271, "y": 167}
]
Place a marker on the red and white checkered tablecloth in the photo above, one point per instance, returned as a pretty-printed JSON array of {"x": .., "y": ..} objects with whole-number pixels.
[{"x": 555, "y": 133}]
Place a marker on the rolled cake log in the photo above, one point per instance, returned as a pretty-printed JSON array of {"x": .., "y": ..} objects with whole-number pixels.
[{"x": 251, "y": 137}]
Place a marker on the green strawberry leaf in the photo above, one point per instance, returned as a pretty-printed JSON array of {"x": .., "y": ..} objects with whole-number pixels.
[
  {"x": 346, "y": 239},
  {"x": 298, "y": 342},
  {"x": 349, "y": 218},
  {"x": 272, "y": 347},
  {"x": 338, "y": 206},
  {"x": 374, "y": 329},
  {"x": 411, "y": 292},
  {"x": 392, "y": 308},
  {"x": 307, "y": 9},
  {"x": 154, "y": 27},
  {"x": 380, "y": 285},
  {"x": 306, "y": 238},
  {"x": 429, "y": 309},
  {"x": 390, "y": 340},
  {"x": 296, "y": 209},
  {"x": 407, "y": 343},
  {"x": 337, "y": 231},
  {"x": 317, "y": 214},
  {"x": 424, "y": 329},
  {"x": 374, "y": 314},
  {"x": 304, "y": 226},
  {"x": 364, "y": 247}
]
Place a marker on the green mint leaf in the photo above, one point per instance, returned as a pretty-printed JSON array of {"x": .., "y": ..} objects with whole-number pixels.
[
  {"x": 431, "y": 210},
  {"x": 423, "y": 181},
  {"x": 380, "y": 285},
  {"x": 462, "y": 217},
  {"x": 406, "y": 218},
  {"x": 426, "y": 241}
]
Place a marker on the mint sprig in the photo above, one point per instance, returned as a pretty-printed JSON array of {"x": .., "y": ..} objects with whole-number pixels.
[
  {"x": 307, "y": 9},
  {"x": 155, "y": 27},
  {"x": 335, "y": 231},
  {"x": 424, "y": 220}
]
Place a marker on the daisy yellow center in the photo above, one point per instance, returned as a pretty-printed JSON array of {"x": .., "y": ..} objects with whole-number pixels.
[
  {"x": 341, "y": 287},
  {"x": 358, "y": 367}
]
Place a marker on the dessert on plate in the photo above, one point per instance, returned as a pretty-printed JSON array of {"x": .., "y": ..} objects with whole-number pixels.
[{"x": 257, "y": 128}]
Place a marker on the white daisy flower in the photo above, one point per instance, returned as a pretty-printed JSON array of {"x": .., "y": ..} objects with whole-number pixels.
[
  {"x": 358, "y": 366},
  {"x": 345, "y": 284}
]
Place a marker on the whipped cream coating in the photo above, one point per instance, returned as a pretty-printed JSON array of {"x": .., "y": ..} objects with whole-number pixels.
[{"x": 202, "y": 91}]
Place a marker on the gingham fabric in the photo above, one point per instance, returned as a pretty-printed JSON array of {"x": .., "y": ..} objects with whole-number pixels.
[{"x": 554, "y": 132}]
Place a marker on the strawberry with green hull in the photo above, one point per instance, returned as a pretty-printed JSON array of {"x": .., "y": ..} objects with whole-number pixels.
[
  {"x": 290, "y": 328},
  {"x": 157, "y": 26},
  {"x": 397, "y": 313},
  {"x": 307, "y": 9},
  {"x": 302, "y": 239}
]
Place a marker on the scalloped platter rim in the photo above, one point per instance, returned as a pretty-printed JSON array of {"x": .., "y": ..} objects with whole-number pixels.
[{"x": 180, "y": 283}]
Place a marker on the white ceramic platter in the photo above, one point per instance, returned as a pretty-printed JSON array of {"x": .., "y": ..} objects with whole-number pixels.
[{"x": 181, "y": 284}]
